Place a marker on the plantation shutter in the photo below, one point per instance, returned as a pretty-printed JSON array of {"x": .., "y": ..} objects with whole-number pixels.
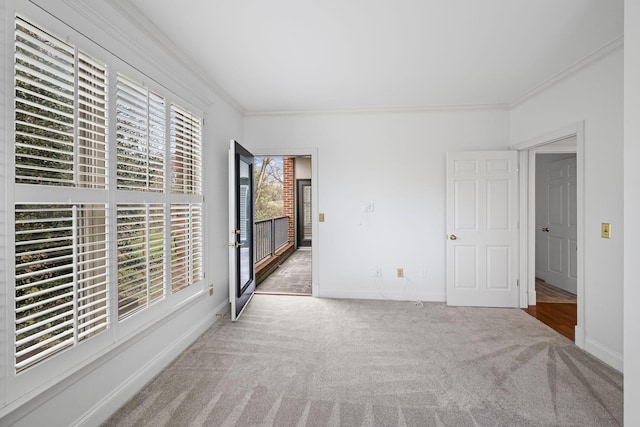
[
  {"x": 186, "y": 245},
  {"x": 141, "y": 237},
  {"x": 44, "y": 107},
  {"x": 61, "y": 278},
  {"x": 92, "y": 123},
  {"x": 141, "y": 120},
  {"x": 186, "y": 148}
]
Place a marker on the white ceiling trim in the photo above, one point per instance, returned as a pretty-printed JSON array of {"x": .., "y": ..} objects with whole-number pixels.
[
  {"x": 390, "y": 110},
  {"x": 598, "y": 54}
]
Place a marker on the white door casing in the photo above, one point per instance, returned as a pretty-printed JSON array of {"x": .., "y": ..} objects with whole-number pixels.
[{"x": 482, "y": 226}]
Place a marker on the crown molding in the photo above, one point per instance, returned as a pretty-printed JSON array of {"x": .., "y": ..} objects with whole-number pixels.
[
  {"x": 582, "y": 63},
  {"x": 96, "y": 14},
  {"x": 385, "y": 110}
]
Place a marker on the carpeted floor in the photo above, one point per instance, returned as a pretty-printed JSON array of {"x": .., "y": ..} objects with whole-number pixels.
[{"x": 292, "y": 361}]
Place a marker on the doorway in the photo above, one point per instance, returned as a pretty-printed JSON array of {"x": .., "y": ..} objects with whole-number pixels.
[
  {"x": 554, "y": 253},
  {"x": 289, "y": 269},
  {"x": 556, "y": 239}
]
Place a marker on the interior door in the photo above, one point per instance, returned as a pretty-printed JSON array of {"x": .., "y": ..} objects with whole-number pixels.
[
  {"x": 482, "y": 221},
  {"x": 242, "y": 283},
  {"x": 559, "y": 229}
]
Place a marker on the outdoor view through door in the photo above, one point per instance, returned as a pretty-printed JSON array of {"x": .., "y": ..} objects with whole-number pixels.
[{"x": 283, "y": 224}]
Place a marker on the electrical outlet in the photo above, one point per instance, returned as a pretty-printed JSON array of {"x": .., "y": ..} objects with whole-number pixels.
[
  {"x": 400, "y": 272},
  {"x": 376, "y": 272},
  {"x": 369, "y": 207},
  {"x": 211, "y": 291}
]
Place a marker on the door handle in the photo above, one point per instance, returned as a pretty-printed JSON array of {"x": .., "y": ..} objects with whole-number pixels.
[
  {"x": 234, "y": 245},
  {"x": 453, "y": 237},
  {"x": 545, "y": 229}
]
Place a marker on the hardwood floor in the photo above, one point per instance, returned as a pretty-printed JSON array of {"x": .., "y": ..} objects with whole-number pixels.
[{"x": 561, "y": 317}]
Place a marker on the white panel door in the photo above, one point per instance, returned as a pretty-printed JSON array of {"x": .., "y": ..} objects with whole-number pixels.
[
  {"x": 482, "y": 222},
  {"x": 559, "y": 232}
]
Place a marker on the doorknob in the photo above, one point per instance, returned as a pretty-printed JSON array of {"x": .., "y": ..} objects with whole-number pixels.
[
  {"x": 453, "y": 237},
  {"x": 545, "y": 229}
]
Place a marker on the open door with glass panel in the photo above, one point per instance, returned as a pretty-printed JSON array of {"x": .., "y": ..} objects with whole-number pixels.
[{"x": 241, "y": 266}]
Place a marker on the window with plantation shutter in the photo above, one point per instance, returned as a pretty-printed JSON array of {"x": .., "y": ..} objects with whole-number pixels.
[
  {"x": 186, "y": 245},
  {"x": 186, "y": 148},
  {"x": 141, "y": 121},
  {"x": 95, "y": 223},
  {"x": 61, "y": 288},
  {"x": 141, "y": 242},
  {"x": 44, "y": 107},
  {"x": 60, "y": 126}
]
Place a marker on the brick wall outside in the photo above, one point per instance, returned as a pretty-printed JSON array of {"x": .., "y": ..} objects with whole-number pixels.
[{"x": 288, "y": 194}]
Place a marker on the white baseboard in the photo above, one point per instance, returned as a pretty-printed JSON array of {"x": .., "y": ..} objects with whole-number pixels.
[
  {"x": 383, "y": 295},
  {"x": 103, "y": 409},
  {"x": 579, "y": 334},
  {"x": 608, "y": 356}
]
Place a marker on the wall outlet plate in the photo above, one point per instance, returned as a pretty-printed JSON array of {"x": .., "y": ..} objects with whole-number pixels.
[
  {"x": 605, "y": 231},
  {"x": 400, "y": 272}
]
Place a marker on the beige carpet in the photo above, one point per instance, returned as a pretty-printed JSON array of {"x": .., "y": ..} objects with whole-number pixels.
[{"x": 294, "y": 361}]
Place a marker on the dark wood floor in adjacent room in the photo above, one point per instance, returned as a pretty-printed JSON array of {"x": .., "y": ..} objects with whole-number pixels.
[
  {"x": 561, "y": 317},
  {"x": 555, "y": 308}
]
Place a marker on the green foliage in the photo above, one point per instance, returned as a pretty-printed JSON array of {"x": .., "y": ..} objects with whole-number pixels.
[{"x": 268, "y": 178}]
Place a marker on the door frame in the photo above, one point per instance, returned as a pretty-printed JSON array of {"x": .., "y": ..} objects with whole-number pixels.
[
  {"x": 311, "y": 152},
  {"x": 527, "y": 150}
]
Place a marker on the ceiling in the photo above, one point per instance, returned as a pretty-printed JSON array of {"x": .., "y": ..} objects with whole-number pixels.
[{"x": 311, "y": 55}]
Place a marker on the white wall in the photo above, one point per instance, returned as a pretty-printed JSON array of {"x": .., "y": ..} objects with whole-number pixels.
[
  {"x": 593, "y": 95},
  {"x": 631, "y": 212},
  {"x": 303, "y": 168},
  {"x": 90, "y": 394},
  {"x": 395, "y": 161}
]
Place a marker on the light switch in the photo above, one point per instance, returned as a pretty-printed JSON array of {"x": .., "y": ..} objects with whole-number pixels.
[
  {"x": 321, "y": 217},
  {"x": 606, "y": 230}
]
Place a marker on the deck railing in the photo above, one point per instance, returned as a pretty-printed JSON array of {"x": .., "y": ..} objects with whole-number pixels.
[{"x": 271, "y": 235}]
